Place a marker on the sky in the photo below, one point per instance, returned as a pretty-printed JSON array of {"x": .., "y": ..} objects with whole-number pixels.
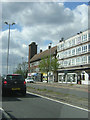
[{"x": 40, "y": 22}]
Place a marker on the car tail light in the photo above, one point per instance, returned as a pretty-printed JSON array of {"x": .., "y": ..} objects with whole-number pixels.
[
  {"x": 5, "y": 82},
  {"x": 24, "y": 82}
]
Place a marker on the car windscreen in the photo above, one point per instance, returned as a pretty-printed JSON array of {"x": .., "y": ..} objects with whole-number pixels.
[
  {"x": 15, "y": 77},
  {"x": 29, "y": 78}
]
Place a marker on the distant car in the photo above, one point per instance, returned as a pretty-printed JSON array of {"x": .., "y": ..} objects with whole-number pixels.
[
  {"x": 29, "y": 80},
  {"x": 14, "y": 82}
]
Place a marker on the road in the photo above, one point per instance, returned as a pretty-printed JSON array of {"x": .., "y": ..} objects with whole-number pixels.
[{"x": 33, "y": 106}]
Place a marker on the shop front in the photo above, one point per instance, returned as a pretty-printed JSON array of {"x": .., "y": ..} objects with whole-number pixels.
[{"x": 67, "y": 78}]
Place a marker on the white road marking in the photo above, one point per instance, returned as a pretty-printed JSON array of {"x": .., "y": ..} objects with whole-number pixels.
[{"x": 59, "y": 101}]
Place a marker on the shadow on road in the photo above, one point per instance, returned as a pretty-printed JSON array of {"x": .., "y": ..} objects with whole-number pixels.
[{"x": 16, "y": 97}]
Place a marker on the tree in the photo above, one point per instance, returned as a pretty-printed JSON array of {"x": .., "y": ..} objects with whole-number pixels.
[
  {"x": 45, "y": 66},
  {"x": 22, "y": 69},
  {"x": 54, "y": 67}
]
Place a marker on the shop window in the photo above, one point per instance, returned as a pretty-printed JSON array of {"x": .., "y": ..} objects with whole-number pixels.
[
  {"x": 83, "y": 76},
  {"x": 89, "y": 76}
]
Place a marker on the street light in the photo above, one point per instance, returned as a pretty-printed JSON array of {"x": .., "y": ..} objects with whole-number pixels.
[
  {"x": 8, "y": 42},
  {"x": 50, "y": 55}
]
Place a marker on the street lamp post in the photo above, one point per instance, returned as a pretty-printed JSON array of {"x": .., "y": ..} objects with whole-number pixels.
[
  {"x": 50, "y": 56},
  {"x": 8, "y": 43}
]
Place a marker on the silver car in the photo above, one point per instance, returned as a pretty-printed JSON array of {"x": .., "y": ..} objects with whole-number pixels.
[{"x": 29, "y": 80}]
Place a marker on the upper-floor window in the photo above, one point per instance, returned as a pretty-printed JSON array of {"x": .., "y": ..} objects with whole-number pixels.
[
  {"x": 84, "y": 38},
  {"x": 89, "y": 36},
  {"x": 89, "y": 59},
  {"x": 73, "y": 51},
  {"x": 69, "y": 62},
  {"x": 69, "y": 43},
  {"x": 78, "y": 50},
  {"x": 65, "y": 53},
  {"x": 66, "y": 44},
  {"x": 84, "y": 59},
  {"x": 78, "y": 40},
  {"x": 65, "y": 63},
  {"x": 69, "y": 52},
  {"x": 58, "y": 48},
  {"x": 89, "y": 47},
  {"x": 84, "y": 48},
  {"x": 62, "y": 46},
  {"x": 58, "y": 57},
  {"x": 73, "y": 61},
  {"x": 78, "y": 60},
  {"x": 73, "y": 42}
]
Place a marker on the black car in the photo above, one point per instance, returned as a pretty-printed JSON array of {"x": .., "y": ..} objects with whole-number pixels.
[{"x": 13, "y": 82}]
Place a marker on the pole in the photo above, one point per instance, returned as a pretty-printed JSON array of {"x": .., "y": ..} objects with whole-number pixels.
[
  {"x": 8, "y": 43},
  {"x": 8, "y": 48},
  {"x": 50, "y": 56}
]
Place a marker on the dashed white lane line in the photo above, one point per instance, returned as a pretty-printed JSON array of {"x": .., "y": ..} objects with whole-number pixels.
[{"x": 59, "y": 101}]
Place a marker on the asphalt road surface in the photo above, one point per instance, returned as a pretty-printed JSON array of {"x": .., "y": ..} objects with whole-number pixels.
[{"x": 32, "y": 106}]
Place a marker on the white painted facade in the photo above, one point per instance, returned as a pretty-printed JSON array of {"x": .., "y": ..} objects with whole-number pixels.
[{"x": 72, "y": 54}]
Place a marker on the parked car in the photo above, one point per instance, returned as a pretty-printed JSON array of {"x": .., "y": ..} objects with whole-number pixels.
[
  {"x": 29, "y": 80},
  {"x": 14, "y": 82}
]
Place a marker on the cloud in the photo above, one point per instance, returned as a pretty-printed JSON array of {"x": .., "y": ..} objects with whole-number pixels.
[
  {"x": 39, "y": 22},
  {"x": 30, "y": 14}
]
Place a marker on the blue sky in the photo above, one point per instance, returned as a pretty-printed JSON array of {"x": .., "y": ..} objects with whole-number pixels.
[
  {"x": 73, "y": 5},
  {"x": 16, "y": 26}
]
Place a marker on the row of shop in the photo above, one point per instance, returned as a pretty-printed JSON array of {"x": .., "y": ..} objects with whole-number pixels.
[
  {"x": 74, "y": 78},
  {"x": 63, "y": 77}
]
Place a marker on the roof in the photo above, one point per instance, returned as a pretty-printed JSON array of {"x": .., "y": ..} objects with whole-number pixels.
[{"x": 39, "y": 56}]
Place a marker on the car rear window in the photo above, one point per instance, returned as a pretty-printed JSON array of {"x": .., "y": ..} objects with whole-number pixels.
[{"x": 15, "y": 77}]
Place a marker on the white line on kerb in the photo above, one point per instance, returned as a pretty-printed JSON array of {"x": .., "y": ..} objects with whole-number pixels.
[{"x": 58, "y": 101}]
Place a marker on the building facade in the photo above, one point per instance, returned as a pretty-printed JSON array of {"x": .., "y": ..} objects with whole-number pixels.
[
  {"x": 74, "y": 58},
  {"x": 35, "y": 61}
]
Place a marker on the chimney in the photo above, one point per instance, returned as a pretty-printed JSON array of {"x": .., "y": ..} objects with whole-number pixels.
[
  {"x": 40, "y": 50},
  {"x": 62, "y": 39},
  {"x": 49, "y": 47},
  {"x": 80, "y": 31},
  {"x": 32, "y": 52}
]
